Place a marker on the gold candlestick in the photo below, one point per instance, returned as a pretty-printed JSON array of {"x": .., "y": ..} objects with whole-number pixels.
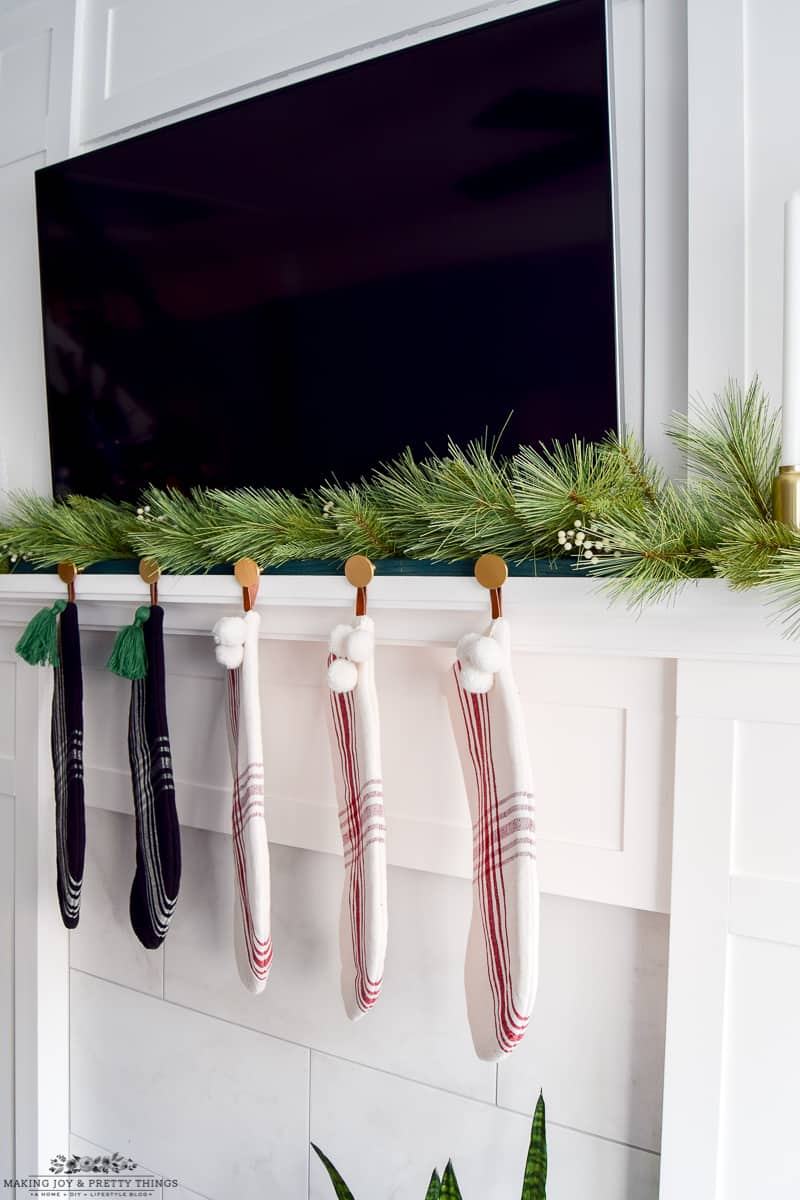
[{"x": 786, "y": 497}]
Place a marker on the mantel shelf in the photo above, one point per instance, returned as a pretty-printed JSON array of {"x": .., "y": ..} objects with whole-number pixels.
[{"x": 706, "y": 621}]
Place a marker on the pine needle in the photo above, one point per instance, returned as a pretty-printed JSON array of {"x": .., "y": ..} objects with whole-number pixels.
[
  {"x": 46, "y": 532},
  {"x": 734, "y": 448}
]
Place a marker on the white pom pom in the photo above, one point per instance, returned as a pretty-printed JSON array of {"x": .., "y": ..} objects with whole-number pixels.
[
  {"x": 359, "y": 645},
  {"x": 338, "y": 639},
  {"x": 464, "y": 647},
  {"x": 473, "y": 680},
  {"x": 486, "y": 655},
  {"x": 229, "y": 631},
  {"x": 229, "y": 656},
  {"x": 342, "y": 675}
]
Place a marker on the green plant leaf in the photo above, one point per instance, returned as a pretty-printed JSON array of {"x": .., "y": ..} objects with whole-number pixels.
[
  {"x": 449, "y": 1189},
  {"x": 339, "y": 1186},
  {"x": 434, "y": 1191},
  {"x": 535, "y": 1181}
]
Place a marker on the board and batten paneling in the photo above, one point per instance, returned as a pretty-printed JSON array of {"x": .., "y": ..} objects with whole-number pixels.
[
  {"x": 735, "y": 936},
  {"x": 36, "y": 58},
  {"x": 6, "y": 982},
  {"x": 601, "y": 741},
  {"x": 7, "y": 877},
  {"x": 771, "y": 29}
]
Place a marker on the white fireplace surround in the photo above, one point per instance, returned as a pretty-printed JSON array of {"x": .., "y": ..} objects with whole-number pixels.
[
  {"x": 684, "y": 718},
  {"x": 665, "y": 743}
]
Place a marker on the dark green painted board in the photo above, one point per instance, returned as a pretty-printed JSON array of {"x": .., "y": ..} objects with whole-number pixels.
[{"x": 543, "y": 567}]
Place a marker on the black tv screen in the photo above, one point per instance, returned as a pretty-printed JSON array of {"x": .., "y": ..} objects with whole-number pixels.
[{"x": 294, "y": 287}]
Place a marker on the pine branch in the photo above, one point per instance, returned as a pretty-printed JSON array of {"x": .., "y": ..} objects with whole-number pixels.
[
  {"x": 556, "y": 486},
  {"x": 749, "y": 549},
  {"x": 45, "y": 532},
  {"x": 782, "y": 577},
  {"x": 458, "y": 505},
  {"x": 734, "y": 449},
  {"x": 273, "y": 527},
  {"x": 358, "y": 519},
  {"x": 658, "y": 549},
  {"x": 174, "y": 529}
]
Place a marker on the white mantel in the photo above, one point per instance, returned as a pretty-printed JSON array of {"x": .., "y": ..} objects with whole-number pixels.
[{"x": 705, "y": 620}]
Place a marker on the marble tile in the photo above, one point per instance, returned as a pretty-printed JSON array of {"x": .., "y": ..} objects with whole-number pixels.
[
  {"x": 104, "y": 943},
  {"x": 79, "y": 1145},
  {"x": 386, "y": 1134},
  {"x": 596, "y": 1040},
  {"x": 222, "y": 1109},
  {"x": 419, "y": 1026}
]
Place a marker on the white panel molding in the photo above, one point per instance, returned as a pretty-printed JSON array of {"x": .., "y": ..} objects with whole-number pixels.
[
  {"x": 7, "y": 983},
  {"x": 719, "y": 705},
  {"x": 666, "y": 366},
  {"x": 766, "y": 909},
  {"x": 587, "y": 719},
  {"x": 36, "y": 51},
  {"x": 150, "y": 59},
  {"x": 697, "y": 959},
  {"x": 41, "y": 944},
  {"x": 716, "y": 234}
]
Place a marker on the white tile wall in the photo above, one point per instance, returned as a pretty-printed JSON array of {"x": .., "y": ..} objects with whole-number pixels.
[
  {"x": 596, "y": 1041},
  {"x": 595, "y": 1044},
  {"x": 221, "y": 1108},
  {"x": 419, "y": 1026},
  {"x": 385, "y": 1135},
  {"x": 79, "y": 1145}
]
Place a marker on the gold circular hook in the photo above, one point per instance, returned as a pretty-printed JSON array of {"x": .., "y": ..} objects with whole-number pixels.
[
  {"x": 491, "y": 571},
  {"x": 149, "y": 571},
  {"x": 67, "y": 572},
  {"x": 359, "y": 570},
  {"x": 246, "y": 572}
]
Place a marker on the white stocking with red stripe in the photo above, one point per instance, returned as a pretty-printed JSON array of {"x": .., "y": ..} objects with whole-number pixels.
[
  {"x": 355, "y": 746},
  {"x": 236, "y": 641},
  {"x": 501, "y": 968}
]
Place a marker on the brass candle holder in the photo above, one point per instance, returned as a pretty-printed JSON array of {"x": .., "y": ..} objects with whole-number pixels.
[{"x": 786, "y": 496}]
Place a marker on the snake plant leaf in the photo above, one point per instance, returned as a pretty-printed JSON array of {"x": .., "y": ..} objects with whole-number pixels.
[
  {"x": 535, "y": 1181},
  {"x": 434, "y": 1191},
  {"x": 339, "y": 1186},
  {"x": 449, "y": 1189}
]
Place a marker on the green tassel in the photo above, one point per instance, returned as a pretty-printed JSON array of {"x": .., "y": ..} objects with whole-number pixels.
[
  {"x": 129, "y": 657},
  {"x": 39, "y": 643}
]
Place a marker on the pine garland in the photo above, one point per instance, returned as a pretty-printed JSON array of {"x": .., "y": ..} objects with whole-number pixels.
[{"x": 606, "y": 506}]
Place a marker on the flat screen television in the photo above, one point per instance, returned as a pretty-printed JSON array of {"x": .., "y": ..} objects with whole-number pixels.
[{"x": 294, "y": 287}]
